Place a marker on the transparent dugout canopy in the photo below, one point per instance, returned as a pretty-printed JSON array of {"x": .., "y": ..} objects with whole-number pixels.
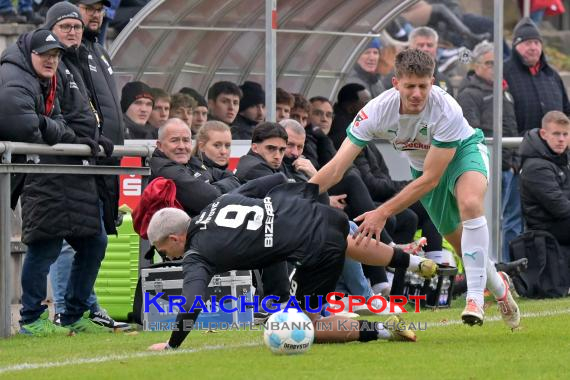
[{"x": 312, "y": 45}]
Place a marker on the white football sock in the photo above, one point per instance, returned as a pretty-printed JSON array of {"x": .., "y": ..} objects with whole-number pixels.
[
  {"x": 495, "y": 282},
  {"x": 474, "y": 246},
  {"x": 383, "y": 332},
  {"x": 414, "y": 263}
]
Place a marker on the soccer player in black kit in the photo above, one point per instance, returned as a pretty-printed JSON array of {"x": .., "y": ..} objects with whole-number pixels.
[{"x": 266, "y": 221}]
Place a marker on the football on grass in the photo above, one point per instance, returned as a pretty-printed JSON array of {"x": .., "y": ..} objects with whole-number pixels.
[{"x": 289, "y": 332}]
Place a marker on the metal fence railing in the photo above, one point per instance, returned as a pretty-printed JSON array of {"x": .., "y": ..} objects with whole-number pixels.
[{"x": 7, "y": 151}]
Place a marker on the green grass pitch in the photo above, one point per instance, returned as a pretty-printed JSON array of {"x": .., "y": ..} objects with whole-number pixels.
[{"x": 445, "y": 350}]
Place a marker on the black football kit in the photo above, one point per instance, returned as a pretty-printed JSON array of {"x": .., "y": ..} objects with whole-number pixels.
[{"x": 261, "y": 223}]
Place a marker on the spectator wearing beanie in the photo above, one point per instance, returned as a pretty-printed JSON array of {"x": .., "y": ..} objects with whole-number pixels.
[
  {"x": 536, "y": 87},
  {"x": 251, "y": 111},
  {"x": 365, "y": 69},
  {"x": 200, "y": 112},
  {"x": 136, "y": 103}
]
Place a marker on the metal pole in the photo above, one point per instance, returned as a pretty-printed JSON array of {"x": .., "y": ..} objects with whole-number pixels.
[
  {"x": 526, "y": 8},
  {"x": 5, "y": 257},
  {"x": 496, "y": 171},
  {"x": 270, "y": 58}
]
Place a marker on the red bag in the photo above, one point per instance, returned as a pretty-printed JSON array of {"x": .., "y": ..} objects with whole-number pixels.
[{"x": 159, "y": 193}]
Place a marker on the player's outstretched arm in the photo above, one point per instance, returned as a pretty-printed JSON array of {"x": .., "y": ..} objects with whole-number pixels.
[
  {"x": 332, "y": 173},
  {"x": 435, "y": 164}
]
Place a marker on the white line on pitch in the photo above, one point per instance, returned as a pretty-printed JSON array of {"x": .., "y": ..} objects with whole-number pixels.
[
  {"x": 497, "y": 318},
  {"x": 109, "y": 358}
]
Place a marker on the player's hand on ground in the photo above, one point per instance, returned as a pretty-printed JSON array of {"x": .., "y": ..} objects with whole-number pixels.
[
  {"x": 338, "y": 201},
  {"x": 372, "y": 224},
  {"x": 158, "y": 346}
]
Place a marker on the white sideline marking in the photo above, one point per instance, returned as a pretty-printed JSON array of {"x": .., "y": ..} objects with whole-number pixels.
[
  {"x": 497, "y": 318},
  {"x": 109, "y": 358}
]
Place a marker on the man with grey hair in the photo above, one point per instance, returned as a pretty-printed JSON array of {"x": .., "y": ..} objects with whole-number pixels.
[
  {"x": 294, "y": 161},
  {"x": 268, "y": 221},
  {"x": 196, "y": 185},
  {"x": 475, "y": 96},
  {"x": 168, "y": 222},
  {"x": 425, "y": 39}
]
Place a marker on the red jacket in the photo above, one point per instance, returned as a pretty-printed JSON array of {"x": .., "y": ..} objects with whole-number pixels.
[{"x": 159, "y": 193}]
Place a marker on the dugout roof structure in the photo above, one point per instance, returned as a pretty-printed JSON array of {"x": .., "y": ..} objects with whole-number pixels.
[{"x": 308, "y": 46}]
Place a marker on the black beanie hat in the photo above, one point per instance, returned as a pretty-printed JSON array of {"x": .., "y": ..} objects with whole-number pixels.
[
  {"x": 60, "y": 11},
  {"x": 253, "y": 94},
  {"x": 133, "y": 91},
  {"x": 200, "y": 100},
  {"x": 525, "y": 30}
]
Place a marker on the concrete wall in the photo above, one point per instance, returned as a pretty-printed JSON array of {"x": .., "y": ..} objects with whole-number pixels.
[{"x": 9, "y": 33}]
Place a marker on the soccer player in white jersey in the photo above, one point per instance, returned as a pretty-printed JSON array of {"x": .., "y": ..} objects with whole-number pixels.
[{"x": 449, "y": 163}]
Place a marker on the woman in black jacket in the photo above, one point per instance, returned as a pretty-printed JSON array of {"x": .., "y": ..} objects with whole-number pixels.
[{"x": 213, "y": 145}]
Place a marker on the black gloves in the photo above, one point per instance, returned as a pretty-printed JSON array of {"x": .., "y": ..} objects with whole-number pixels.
[
  {"x": 107, "y": 145},
  {"x": 87, "y": 141}
]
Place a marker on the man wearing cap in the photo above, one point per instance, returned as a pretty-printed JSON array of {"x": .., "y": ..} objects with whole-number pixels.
[
  {"x": 54, "y": 207},
  {"x": 251, "y": 110},
  {"x": 535, "y": 85},
  {"x": 136, "y": 103},
  {"x": 365, "y": 69},
  {"x": 80, "y": 111},
  {"x": 29, "y": 110}
]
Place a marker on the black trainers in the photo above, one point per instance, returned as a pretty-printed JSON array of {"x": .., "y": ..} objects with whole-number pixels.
[
  {"x": 513, "y": 268},
  {"x": 103, "y": 319},
  {"x": 57, "y": 319},
  {"x": 260, "y": 317},
  {"x": 10, "y": 17}
]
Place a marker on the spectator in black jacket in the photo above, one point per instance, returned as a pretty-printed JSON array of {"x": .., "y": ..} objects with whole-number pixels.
[
  {"x": 475, "y": 96},
  {"x": 196, "y": 186},
  {"x": 536, "y": 86},
  {"x": 99, "y": 68},
  {"x": 137, "y": 103},
  {"x": 213, "y": 145},
  {"x": 545, "y": 177},
  {"x": 75, "y": 96},
  {"x": 268, "y": 145},
  {"x": 251, "y": 110},
  {"x": 52, "y": 210}
]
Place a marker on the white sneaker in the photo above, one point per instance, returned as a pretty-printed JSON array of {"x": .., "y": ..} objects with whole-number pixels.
[{"x": 507, "y": 306}]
